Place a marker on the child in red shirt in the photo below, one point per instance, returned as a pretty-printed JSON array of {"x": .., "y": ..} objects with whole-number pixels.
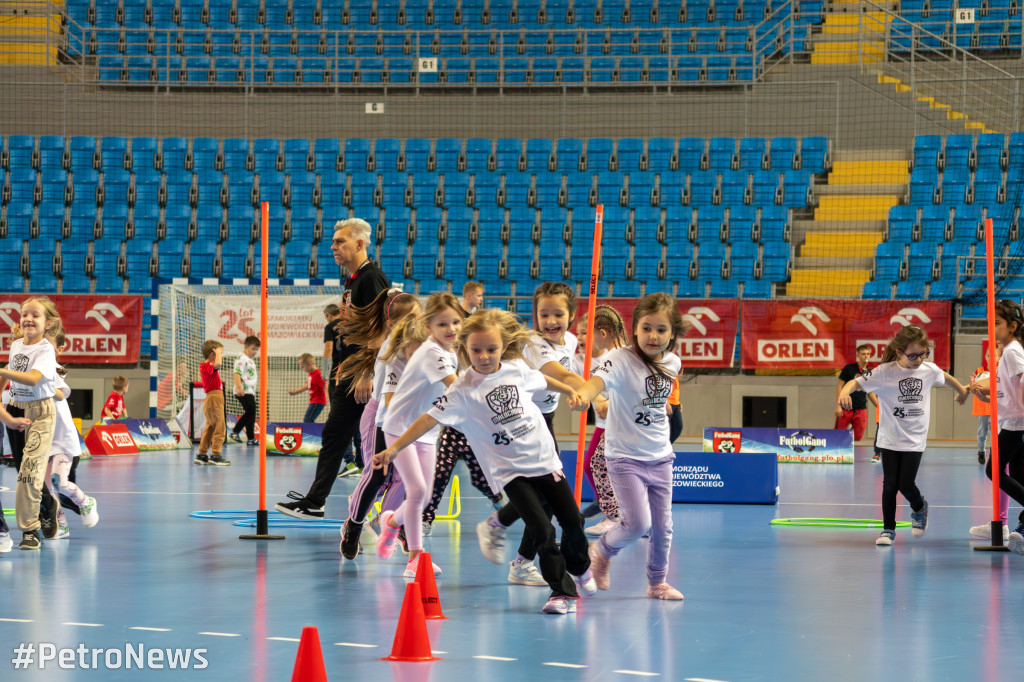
[
  {"x": 213, "y": 405},
  {"x": 315, "y": 385},
  {"x": 114, "y": 407}
]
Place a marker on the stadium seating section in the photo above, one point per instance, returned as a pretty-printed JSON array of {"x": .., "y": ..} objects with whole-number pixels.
[{"x": 318, "y": 43}]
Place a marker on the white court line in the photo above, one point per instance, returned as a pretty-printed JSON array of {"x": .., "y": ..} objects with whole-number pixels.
[
  {"x": 437, "y": 653},
  {"x": 85, "y": 625},
  {"x": 220, "y": 634},
  {"x": 875, "y": 504},
  {"x": 701, "y": 679},
  {"x": 16, "y": 620},
  {"x": 495, "y": 658},
  {"x": 139, "y": 627},
  {"x": 636, "y": 672},
  {"x": 361, "y": 646},
  {"x": 283, "y": 639},
  {"x": 563, "y": 665}
]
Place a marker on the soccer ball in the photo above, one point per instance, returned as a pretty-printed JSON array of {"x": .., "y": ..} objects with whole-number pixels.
[
  {"x": 726, "y": 446},
  {"x": 800, "y": 448}
]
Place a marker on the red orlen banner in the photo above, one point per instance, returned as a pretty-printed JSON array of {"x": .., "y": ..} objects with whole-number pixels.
[
  {"x": 98, "y": 328},
  {"x": 826, "y": 333},
  {"x": 711, "y": 341}
]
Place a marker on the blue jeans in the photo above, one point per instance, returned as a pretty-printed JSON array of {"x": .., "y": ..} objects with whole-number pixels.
[{"x": 312, "y": 412}]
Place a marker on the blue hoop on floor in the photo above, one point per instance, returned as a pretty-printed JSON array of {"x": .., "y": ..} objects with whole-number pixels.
[
  {"x": 247, "y": 517},
  {"x": 318, "y": 524}
]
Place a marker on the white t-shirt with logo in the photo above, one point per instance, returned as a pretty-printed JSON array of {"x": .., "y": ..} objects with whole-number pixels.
[
  {"x": 1009, "y": 402},
  {"x": 65, "y": 435},
  {"x": 637, "y": 424},
  {"x": 38, "y": 356},
  {"x": 539, "y": 353},
  {"x": 420, "y": 385},
  {"x": 245, "y": 368},
  {"x": 502, "y": 421},
  {"x": 904, "y": 396}
]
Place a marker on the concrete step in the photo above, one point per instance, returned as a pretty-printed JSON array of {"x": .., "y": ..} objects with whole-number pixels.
[
  {"x": 870, "y": 155},
  {"x": 859, "y": 190},
  {"x": 838, "y": 226},
  {"x": 805, "y": 263}
]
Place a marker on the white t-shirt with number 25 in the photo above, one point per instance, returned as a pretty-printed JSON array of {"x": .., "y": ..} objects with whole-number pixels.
[
  {"x": 906, "y": 396},
  {"x": 637, "y": 425}
]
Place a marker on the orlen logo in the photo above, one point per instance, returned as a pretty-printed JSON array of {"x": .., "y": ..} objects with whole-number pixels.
[
  {"x": 99, "y": 313},
  {"x": 906, "y": 316},
  {"x": 117, "y": 440},
  {"x": 237, "y": 325},
  {"x": 701, "y": 349},
  {"x": 808, "y": 313},
  {"x": 8, "y": 308}
]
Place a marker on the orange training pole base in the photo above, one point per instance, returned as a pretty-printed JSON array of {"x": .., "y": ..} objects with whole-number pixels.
[
  {"x": 595, "y": 266},
  {"x": 262, "y": 524},
  {"x": 993, "y": 369}
]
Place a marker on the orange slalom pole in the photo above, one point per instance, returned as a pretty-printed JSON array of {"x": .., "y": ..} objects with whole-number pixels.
[
  {"x": 595, "y": 266},
  {"x": 993, "y": 368}
]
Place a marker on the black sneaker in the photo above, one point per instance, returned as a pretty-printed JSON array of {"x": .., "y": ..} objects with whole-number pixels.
[
  {"x": 252, "y": 441},
  {"x": 981, "y": 456},
  {"x": 30, "y": 540},
  {"x": 235, "y": 437},
  {"x": 401, "y": 538},
  {"x": 48, "y": 520},
  {"x": 201, "y": 459},
  {"x": 299, "y": 508},
  {"x": 350, "y": 539},
  {"x": 219, "y": 461}
]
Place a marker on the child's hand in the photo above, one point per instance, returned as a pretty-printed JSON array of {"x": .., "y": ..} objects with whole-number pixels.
[
  {"x": 601, "y": 409},
  {"x": 382, "y": 459},
  {"x": 577, "y": 402},
  {"x": 846, "y": 402},
  {"x": 962, "y": 396},
  {"x": 18, "y": 423}
]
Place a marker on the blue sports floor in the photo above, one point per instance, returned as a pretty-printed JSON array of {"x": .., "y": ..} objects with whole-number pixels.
[{"x": 762, "y": 602}]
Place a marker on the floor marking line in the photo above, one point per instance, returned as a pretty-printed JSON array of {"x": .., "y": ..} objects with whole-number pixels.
[
  {"x": 355, "y": 644},
  {"x": 221, "y": 634},
  {"x": 701, "y": 679},
  {"x": 563, "y": 665},
  {"x": 139, "y": 627},
  {"x": 283, "y": 639},
  {"x": 86, "y": 625},
  {"x": 15, "y": 620},
  {"x": 495, "y": 658},
  {"x": 636, "y": 672}
]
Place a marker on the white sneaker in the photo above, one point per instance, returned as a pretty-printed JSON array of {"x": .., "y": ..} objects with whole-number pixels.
[
  {"x": 599, "y": 529},
  {"x": 985, "y": 531},
  {"x": 523, "y": 572},
  {"x": 492, "y": 541},
  {"x": 6, "y": 543},
  {"x": 90, "y": 517},
  {"x": 425, "y": 528},
  {"x": 559, "y": 605}
]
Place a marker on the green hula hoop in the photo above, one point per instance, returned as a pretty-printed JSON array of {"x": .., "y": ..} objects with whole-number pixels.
[
  {"x": 8, "y": 511},
  {"x": 835, "y": 523}
]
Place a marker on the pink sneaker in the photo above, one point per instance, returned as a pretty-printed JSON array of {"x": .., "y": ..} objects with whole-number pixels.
[
  {"x": 410, "y": 568},
  {"x": 664, "y": 591},
  {"x": 388, "y": 536},
  {"x": 599, "y": 567}
]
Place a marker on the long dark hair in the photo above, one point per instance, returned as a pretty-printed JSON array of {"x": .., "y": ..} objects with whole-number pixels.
[
  {"x": 657, "y": 303},
  {"x": 368, "y": 324},
  {"x": 904, "y": 338},
  {"x": 1011, "y": 313}
]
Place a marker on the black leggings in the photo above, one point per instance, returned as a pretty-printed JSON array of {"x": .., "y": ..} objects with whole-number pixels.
[
  {"x": 451, "y": 445},
  {"x": 899, "y": 474},
  {"x": 1011, "y": 451},
  {"x": 508, "y": 514},
  {"x": 341, "y": 425},
  {"x": 248, "y": 418},
  {"x": 535, "y": 498}
]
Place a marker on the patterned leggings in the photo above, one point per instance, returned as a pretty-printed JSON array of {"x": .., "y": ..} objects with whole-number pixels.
[
  {"x": 451, "y": 445},
  {"x": 602, "y": 484}
]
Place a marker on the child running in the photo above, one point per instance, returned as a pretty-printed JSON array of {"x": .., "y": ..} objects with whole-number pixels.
[
  {"x": 32, "y": 371},
  {"x": 1009, "y": 328},
  {"x": 638, "y": 380},
  {"x": 245, "y": 379},
  {"x": 316, "y": 387},
  {"x": 903, "y": 382},
  {"x": 494, "y": 404},
  {"x": 430, "y": 370},
  {"x": 14, "y": 424}
]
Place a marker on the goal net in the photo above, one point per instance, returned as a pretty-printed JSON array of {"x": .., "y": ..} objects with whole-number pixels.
[{"x": 188, "y": 312}]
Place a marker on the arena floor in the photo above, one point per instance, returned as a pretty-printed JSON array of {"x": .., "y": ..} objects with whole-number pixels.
[{"x": 762, "y": 602}]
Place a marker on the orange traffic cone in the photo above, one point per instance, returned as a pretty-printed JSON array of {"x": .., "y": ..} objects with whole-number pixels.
[
  {"x": 428, "y": 588},
  {"x": 309, "y": 663},
  {"x": 411, "y": 640}
]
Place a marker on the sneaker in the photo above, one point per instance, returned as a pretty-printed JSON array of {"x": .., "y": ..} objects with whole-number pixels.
[
  {"x": 371, "y": 531},
  {"x": 919, "y": 521},
  {"x": 523, "y": 572},
  {"x": 587, "y": 584},
  {"x": 981, "y": 456},
  {"x": 299, "y": 508},
  {"x": 886, "y": 538},
  {"x": 235, "y": 437},
  {"x": 48, "y": 520},
  {"x": 219, "y": 461},
  {"x": 388, "y": 535},
  {"x": 1015, "y": 542},
  {"x": 559, "y": 605},
  {"x": 252, "y": 441},
  {"x": 426, "y": 529},
  {"x": 350, "y": 470},
  {"x": 90, "y": 517},
  {"x": 985, "y": 531},
  {"x": 63, "y": 531},
  {"x": 403, "y": 541},
  {"x": 349, "y": 545},
  {"x": 6, "y": 543},
  {"x": 201, "y": 459},
  {"x": 30, "y": 540},
  {"x": 664, "y": 591},
  {"x": 410, "y": 568},
  {"x": 599, "y": 529},
  {"x": 599, "y": 567},
  {"x": 592, "y": 509},
  {"x": 876, "y": 458},
  {"x": 492, "y": 540}
]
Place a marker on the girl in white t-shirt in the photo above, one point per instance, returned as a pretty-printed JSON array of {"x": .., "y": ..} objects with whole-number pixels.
[
  {"x": 638, "y": 380},
  {"x": 903, "y": 383},
  {"x": 1009, "y": 328},
  {"x": 430, "y": 370},
  {"x": 14, "y": 424},
  {"x": 494, "y": 404},
  {"x": 32, "y": 371},
  {"x": 609, "y": 334}
]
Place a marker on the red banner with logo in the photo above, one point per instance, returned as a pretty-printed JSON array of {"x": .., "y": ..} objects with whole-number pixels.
[
  {"x": 825, "y": 334},
  {"x": 98, "y": 328},
  {"x": 711, "y": 341}
]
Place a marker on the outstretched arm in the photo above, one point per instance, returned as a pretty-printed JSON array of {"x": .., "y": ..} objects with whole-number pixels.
[
  {"x": 419, "y": 427},
  {"x": 845, "y": 401},
  {"x": 586, "y": 393},
  {"x": 961, "y": 390}
]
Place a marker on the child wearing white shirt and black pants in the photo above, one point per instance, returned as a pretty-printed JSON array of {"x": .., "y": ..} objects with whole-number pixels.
[{"x": 903, "y": 383}]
